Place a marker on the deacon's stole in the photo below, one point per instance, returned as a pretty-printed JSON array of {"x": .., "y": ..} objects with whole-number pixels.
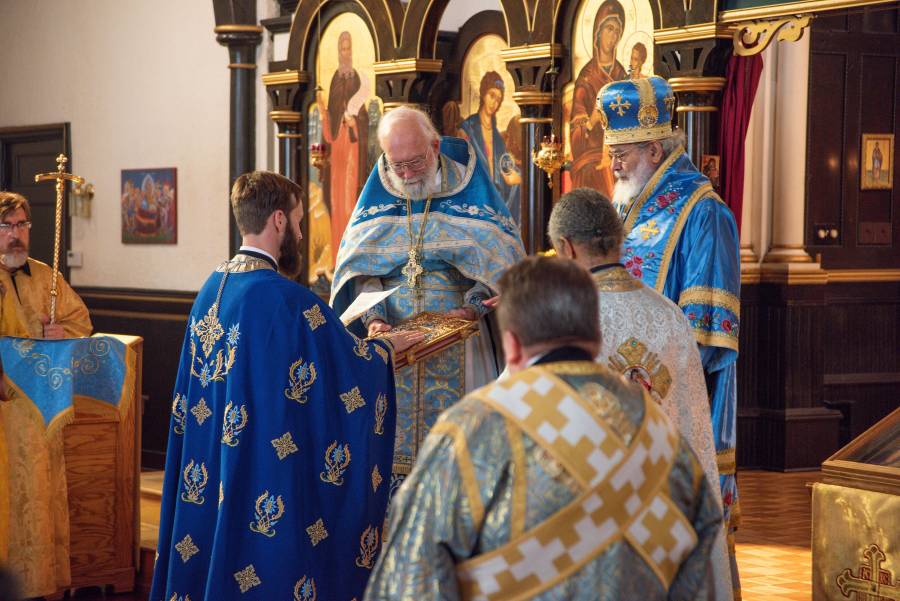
[{"x": 624, "y": 484}]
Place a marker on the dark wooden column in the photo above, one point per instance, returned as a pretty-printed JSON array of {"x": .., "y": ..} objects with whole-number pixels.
[
  {"x": 530, "y": 68},
  {"x": 241, "y": 41},
  {"x": 694, "y": 64},
  {"x": 406, "y": 82},
  {"x": 285, "y": 89}
]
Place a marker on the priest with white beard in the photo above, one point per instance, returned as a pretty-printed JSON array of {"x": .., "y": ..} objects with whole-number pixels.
[{"x": 681, "y": 240}]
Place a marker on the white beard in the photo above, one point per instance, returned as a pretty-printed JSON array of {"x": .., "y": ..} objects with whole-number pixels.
[
  {"x": 417, "y": 190},
  {"x": 629, "y": 187}
]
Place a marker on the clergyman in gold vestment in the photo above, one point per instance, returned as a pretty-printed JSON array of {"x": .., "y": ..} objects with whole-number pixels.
[
  {"x": 34, "y": 542},
  {"x": 562, "y": 481}
]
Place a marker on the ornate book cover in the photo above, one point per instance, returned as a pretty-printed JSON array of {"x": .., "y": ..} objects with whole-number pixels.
[{"x": 441, "y": 331}]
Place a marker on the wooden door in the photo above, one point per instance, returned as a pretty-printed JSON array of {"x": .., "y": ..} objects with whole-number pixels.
[{"x": 25, "y": 152}]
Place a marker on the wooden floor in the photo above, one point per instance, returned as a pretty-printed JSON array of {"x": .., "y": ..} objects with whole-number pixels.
[{"x": 772, "y": 544}]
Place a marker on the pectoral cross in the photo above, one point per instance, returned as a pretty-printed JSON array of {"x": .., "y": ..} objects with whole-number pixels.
[
  {"x": 60, "y": 176},
  {"x": 412, "y": 270}
]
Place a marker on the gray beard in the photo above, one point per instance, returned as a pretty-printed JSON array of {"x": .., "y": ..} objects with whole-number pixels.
[
  {"x": 416, "y": 191},
  {"x": 14, "y": 259}
]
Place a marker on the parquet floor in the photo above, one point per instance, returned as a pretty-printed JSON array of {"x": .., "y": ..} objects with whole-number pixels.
[{"x": 773, "y": 542}]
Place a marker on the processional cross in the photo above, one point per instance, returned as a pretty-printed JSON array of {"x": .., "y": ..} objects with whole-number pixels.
[{"x": 60, "y": 176}]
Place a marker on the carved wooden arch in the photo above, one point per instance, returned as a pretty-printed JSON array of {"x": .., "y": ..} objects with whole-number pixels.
[{"x": 379, "y": 16}]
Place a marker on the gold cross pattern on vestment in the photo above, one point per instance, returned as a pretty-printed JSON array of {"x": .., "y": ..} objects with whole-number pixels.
[
  {"x": 60, "y": 176},
  {"x": 649, "y": 230},
  {"x": 619, "y": 106}
]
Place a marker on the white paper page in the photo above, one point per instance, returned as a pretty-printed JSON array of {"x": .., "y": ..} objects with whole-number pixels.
[{"x": 364, "y": 302}]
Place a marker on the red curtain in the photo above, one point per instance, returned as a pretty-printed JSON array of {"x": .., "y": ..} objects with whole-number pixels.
[{"x": 742, "y": 79}]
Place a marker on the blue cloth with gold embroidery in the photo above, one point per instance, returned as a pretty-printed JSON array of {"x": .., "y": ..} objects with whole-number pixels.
[
  {"x": 51, "y": 372},
  {"x": 281, "y": 434},
  {"x": 682, "y": 240}
]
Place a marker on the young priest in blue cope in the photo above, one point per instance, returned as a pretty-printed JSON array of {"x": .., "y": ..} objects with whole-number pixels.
[{"x": 281, "y": 433}]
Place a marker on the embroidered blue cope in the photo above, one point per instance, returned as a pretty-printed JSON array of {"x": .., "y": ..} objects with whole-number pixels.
[
  {"x": 278, "y": 445},
  {"x": 468, "y": 228},
  {"x": 682, "y": 240}
]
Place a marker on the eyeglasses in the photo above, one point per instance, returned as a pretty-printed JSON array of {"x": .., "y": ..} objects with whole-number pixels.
[
  {"x": 416, "y": 164},
  {"x": 8, "y": 228},
  {"x": 620, "y": 155}
]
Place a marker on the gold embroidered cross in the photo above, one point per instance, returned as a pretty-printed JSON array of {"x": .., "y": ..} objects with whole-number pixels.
[
  {"x": 649, "y": 230},
  {"x": 353, "y": 399},
  {"x": 376, "y": 478},
  {"x": 317, "y": 532},
  {"x": 284, "y": 445},
  {"x": 247, "y": 578},
  {"x": 619, "y": 106},
  {"x": 187, "y": 548},
  {"x": 201, "y": 411}
]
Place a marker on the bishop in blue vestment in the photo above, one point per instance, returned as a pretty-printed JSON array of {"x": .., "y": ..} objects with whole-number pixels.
[
  {"x": 682, "y": 240},
  {"x": 430, "y": 222},
  {"x": 281, "y": 432}
]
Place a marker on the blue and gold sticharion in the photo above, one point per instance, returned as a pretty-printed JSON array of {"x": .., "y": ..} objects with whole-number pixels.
[{"x": 636, "y": 110}]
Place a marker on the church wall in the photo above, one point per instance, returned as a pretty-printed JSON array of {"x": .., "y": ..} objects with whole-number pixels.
[{"x": 143, "y": 85}]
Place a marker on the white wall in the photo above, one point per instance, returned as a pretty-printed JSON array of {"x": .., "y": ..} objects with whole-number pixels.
[
  {"x": 144, "y": 84},
  {"x": 459, "y": 11}
]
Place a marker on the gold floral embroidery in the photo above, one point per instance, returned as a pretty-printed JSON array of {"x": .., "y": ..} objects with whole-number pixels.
[
  {"x": 380, "y": 411},
  {"x": 383, "y": 353},
  {"x": 177, "y": 597},
  {"x": 269, "y": 509},
  {"x": 195, "y": 479},
  {"x": 284, "y": 445},
  {"x": 302, "y": 376},
  {"x": 215, "y": 370},
  {"x": 376, "y": 478},
  {"x": 362, "y": 347},
  {"x": 337, "y": 459},
  {"x": 233, "y": 423},
  {"x": 315, "y": 317},
  {"x": 201, "y": 411},
  {"x": 187, "y": 548},
  {"x": 208, "y": 329},
  {"x": 353, "y": 399},
  {"x": 221, "y": 493},
  {"x": 305, "y": 589},
  {"x": 179, "y": 409},
  {"x": 317, "y": 532},
  {"x": 247, "y": 578},
  {"x": 368, "y": 547}
]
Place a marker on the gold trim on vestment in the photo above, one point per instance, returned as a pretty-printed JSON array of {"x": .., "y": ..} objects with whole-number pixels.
[
  {"x": 244, "y": 264},
  {"x": 616, "y": 279},
  {"x": 520, "y": 479},
  {"x": 466, "y": 468},
  {"x": 649, "y": 187},
  {"x": 714, "y": 297},
  {"x": 725, "y": 461},
  {"x": 674, "y": 233}
]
